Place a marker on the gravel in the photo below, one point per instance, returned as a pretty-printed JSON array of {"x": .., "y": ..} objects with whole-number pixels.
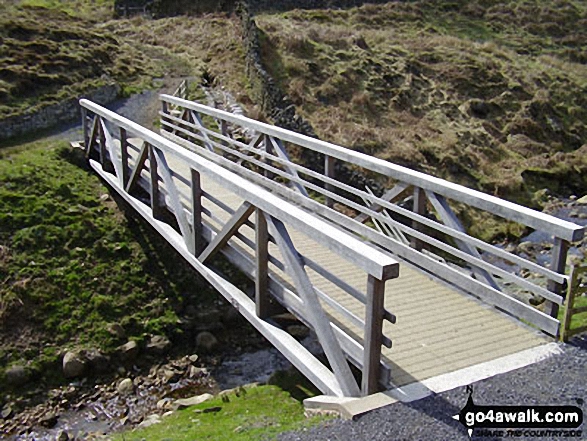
[{"x": 558, "y": 380}]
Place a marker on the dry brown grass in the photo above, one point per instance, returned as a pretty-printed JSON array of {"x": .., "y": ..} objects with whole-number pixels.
[{"x": 450, "y": 92}]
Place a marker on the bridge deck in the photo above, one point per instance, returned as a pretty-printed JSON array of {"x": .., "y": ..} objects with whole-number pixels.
[{"x": 438, "y": 329}]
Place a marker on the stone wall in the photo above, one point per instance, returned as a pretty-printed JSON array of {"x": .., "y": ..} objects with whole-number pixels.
[
  {"x": 273, "y": 101},
  {"x": 54, "y": 114},
  {"x": 287, "y": 5}
]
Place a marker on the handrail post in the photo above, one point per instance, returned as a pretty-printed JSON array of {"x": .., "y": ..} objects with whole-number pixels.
[
  {"x": 559, "y": 261},
  {"x": 102, "y": 137},
  {"x": 124, "y": 156},
  {"x": 419, "y": 208},
  {"x": 329, "y": 172},
  {"x": 84, "y": 113},
  {"x": 198, "y": 245},
  {"x": 373, "y": 333},
  {"x": 262, "y": 268}
]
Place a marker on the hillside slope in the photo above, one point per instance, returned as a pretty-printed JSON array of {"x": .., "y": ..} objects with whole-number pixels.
[{"x": 492, "y": 95}]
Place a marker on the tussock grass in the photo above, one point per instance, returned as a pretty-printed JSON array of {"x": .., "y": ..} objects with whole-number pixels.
[{"x": 490, "y": 95}]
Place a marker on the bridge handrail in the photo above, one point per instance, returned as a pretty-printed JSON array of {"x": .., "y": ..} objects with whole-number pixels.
[
  {"x": 508, "y": 210},
  {"x": 368, "y": 258}
]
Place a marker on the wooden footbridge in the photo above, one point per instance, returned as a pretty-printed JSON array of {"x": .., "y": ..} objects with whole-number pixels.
[{"x": 388, "y": 280}]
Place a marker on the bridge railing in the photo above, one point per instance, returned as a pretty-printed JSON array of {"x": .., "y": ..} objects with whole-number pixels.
[
  {"x": 184, "y": 196},
  {"x": 413, "y": 218}
]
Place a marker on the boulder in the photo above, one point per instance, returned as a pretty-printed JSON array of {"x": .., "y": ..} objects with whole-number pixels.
[
  {"x": 129, "y": 351},
  {"x": 582, "y": 200},
  {"x": 98, "y": 362},
  {"x": 74, "y": 365},
  {"x": 149, "y": 421},
  {"x": 206, "y": 341},
  {"x": 158, "y": 345},
  {"x": 191, "y": 401}
]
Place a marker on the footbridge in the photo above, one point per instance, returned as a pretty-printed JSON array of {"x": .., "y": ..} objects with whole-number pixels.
[{"x": 371, "y": 256}]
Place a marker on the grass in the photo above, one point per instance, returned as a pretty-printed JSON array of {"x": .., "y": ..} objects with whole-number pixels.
[
  {"x": 491, "y": 95},
  {"x": 71, "y": 264},
  {"x": 59, "y": 49},
  {"x": 259, "y": 414}
]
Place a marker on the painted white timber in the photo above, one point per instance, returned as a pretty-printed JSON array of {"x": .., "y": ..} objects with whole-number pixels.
[
  {"x": 508, "y": 210},
  {"x": 285, "y": 343},
  {"x": 367, "y": 257}
]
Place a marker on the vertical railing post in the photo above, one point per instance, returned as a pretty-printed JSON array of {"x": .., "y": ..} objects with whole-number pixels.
[
  {"x": 267, "y": 148},
  {"x": 198, "y": 246},
  {"x": 558, "y": 264},
  {"x": 373, "y": 333},
  {"x": 329, "y": 172},
  {"x": 155, "y": 190},
  {"x": 124, "y": 157},
  {"x": 84, "y": 113},
  {"x": 419, "y": 208},
  {"x": 102, "y": 137},
  {"x": 262, "y": 265}
]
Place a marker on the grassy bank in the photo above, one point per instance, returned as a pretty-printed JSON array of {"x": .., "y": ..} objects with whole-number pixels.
[
  {"x": 58, "y": 49},
  {"x": 71, "y": 263},
  {"x": 259, "y": 412},
  {"x": 488, "y": 94}
]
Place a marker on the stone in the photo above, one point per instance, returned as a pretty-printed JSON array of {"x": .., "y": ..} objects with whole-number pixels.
[
  {"x": 171, "y": 376},
  {"x": 7, "y": 412},
  {"x": 62, "y": 435},
  {"x": 125, "y": 387},
  {"x": 117, "y": 330},
  {"x": 193, "y": 358},
  {"x": 73, "y": 365},
  {"x": 582, "y": 200},
  {"x": 158, "y": 345},
  {"x": 206, "y": 341},
  {"x": 182, "y": 403},
  {"x": 98, "y": 362},
  {"x": 49, "y": 421},
  {"x": 149, "y": 421},
  {"x": 16, "y": 376},
  {"x": 196, "y": 371},
  {"x": 164, "y": 403},
  {"x": 129, "y": 351}
]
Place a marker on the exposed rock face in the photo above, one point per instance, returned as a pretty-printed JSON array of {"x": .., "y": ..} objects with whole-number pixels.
[{"x": 74, "y": 365}]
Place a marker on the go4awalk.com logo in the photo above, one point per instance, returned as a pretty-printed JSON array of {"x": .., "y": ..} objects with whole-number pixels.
[{"x": 520, "y": 421}]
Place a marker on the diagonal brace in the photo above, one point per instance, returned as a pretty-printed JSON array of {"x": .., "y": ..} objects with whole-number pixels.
[
  {"x": 313, "y": 308},
  {"x": 239, "y": 217},
  {"x": 388, "y": 196},
  {"x": 184, "y": 227},
  {"x": 449, "y": 219},
  {"x": 140, "y": 163}
]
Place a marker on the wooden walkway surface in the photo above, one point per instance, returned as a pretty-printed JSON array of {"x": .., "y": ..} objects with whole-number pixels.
[{"x": 438, "y": 329}]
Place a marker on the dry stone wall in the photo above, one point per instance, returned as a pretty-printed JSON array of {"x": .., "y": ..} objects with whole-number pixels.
[{"x": 53, "y": 114}]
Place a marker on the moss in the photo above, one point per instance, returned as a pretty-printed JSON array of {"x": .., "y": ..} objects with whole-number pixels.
[{"x": 72, "y": 265}]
